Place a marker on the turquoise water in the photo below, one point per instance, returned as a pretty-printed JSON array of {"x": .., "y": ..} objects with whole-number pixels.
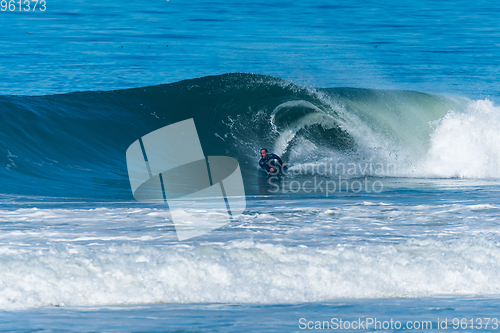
[{"x": 398, "y": 101}]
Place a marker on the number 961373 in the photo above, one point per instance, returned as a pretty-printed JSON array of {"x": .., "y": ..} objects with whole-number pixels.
[{"x": 23, "y": 5}]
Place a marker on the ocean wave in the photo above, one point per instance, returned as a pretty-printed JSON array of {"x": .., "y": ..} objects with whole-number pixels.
[
  {"x": 272, "y": 254},
  {"x": 74, "y": 145},
  {"x": 245, "y": 272}
]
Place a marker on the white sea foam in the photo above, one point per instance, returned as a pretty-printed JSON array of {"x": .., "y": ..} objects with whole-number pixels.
[
  {"x": 465, "y": 144},
  {"x": 272, "y": 254},
  {"x": 245, "y": 272}
]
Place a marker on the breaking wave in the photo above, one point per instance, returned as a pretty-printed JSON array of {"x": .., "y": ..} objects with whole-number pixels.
[{"x": 73, "y": 145}]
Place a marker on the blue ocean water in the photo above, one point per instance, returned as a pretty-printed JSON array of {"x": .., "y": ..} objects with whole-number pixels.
[{"x": 387, "y": 115}]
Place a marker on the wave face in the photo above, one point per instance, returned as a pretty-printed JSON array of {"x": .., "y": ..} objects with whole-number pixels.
[{"x": 74, "y": 145}]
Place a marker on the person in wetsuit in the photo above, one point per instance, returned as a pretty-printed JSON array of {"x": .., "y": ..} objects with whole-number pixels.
[{"x": 271, "y": 163}]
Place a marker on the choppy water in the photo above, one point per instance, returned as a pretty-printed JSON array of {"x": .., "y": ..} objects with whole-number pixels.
[{"x": 397, "y": 100}]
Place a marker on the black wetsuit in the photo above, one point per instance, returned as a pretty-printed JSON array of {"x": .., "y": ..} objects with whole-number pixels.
[{"x": 271, "y": 161}]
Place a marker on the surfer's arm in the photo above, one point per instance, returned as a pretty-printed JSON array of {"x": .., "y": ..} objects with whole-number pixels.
[{"x": 276, "y": 157}]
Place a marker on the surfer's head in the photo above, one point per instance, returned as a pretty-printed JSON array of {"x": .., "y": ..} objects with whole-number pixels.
[{"x": 263, "y": 152}]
